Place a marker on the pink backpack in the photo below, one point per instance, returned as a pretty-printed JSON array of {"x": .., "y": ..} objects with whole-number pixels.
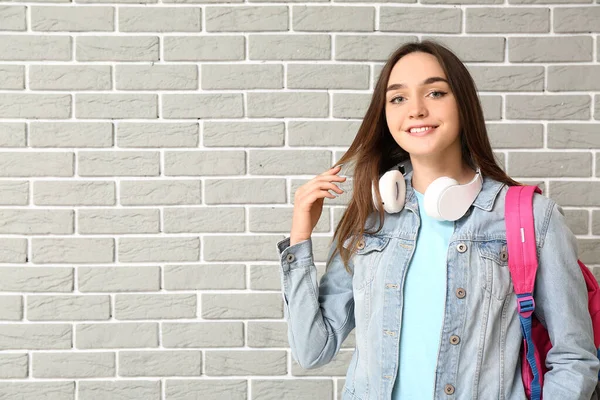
[{"x": 523, "y": 263}]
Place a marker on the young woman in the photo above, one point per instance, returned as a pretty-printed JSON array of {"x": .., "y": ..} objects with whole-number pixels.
[{"x": 423, "y": 279}]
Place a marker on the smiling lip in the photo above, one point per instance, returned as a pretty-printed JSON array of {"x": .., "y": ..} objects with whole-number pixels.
[{"x": 423, "y": 133}]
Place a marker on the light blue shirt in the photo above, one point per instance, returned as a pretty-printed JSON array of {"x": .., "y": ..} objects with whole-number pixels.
[{"x": 423, "y": 310}]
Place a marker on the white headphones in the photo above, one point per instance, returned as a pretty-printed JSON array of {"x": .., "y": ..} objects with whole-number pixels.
[{"x": 444, "y": 199}]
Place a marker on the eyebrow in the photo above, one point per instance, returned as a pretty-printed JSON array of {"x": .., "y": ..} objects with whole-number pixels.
[{"x": 427, "y": 81}]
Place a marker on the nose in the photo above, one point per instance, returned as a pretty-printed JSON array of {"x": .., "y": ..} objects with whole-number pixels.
[{"x": 417, "y": 108}]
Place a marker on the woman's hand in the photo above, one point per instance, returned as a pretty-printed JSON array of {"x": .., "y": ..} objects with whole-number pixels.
[{"x": 308, "y": 203}]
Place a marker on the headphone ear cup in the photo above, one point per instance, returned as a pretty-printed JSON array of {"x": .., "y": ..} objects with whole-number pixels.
[
  {"x": 433, "y": 196},
  {"x": 393, "y": 191}
]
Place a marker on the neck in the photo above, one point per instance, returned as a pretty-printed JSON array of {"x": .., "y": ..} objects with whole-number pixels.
[{"x": 426, "y": 171}]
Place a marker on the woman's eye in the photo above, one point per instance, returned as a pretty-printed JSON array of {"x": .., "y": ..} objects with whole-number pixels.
[
  {"x": 395, "y": 100},
  {"x": 441, "y": 94}
]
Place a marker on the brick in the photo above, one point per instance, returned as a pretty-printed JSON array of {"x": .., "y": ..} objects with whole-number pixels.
[
  {"x": 14, "y": 193},
  {"x": 368, "y": 47},
  {"x": 36, "y": 221},
  {"x": 38, "y": 390},
  {"x": 13, "y": 18},
  {"x": 225, "y": 105},
  {"x": 80, "y": 193},
  {"x": 116, "y": 106},
  {"x": 68, "y": 307},
  {"x": 160, "y": 19},
  {"x": 267, "y": 334},
  {"x": 322, "y": 133},
  {"x": 246, "y": 19},
  {"x": 299, "y": 389},
  {"x": 119, "y": 163},
  {"x": 247, "y": 248},
  {"x": 35, "y": 48},
  {"x": 73, "y": 365},
  {"x": 160, "y": 363},
  {"x": 118, "y": 279},
  {"x": 515, "y": 136},
  {"x": 492, "y": 107},
  {"x": 244, "y": 191},
  {"x": 333, "y": 18},
  {"x": 477, "y": 2},
  {"x": 573, "y": 136},
  {"x": 589, "y": 251},
  {"x": 207, "y": 48},
  {"x": 156, "y": 77},
  {"x": 13, "y": 366},
  {"x": 350, "y": 105},
  {"x": 72, "y": 19},
  {"x": 577, "y": 221},
  {"x": 117, "y": 48},
  {"x": 596, "y": 222},
  {"x": 159, "y": 192},
  {"x": 242, "y": 76},
  {"x": 132, "y": 134},
  {"x": 205, "y": 163},
  {"x": 259, "y": 362},
  {"x": 508, "y": 20},
  {"x": 550, "y": 164},
  {"x": 508, "y": 78},
  {"x": 575, "y": 193},
  {"x": 326, "y": 76},
  {"x": 277, "y": 162},
  {"x": 243, "y": 134},
  {"x": 205, "y": 276},
  {"x": 265, "y": 277},
  {"x": 548, "y": 1},
  {"x": 12, "y": 76},
  {"x": 117, "y": 335},
  {"x": 119, "y": 390},
  {"x": 203, "y": 334},
  {"x": 13, "y": 250},
  {"x": 159, "y": 249},
  {"x": 72, "y": 250},
  {"x": 155, "y": 306},
  {"x": 192, "y": 389},
  {"x": 33, "y": 164},
  {"x": 577, "y": 19},
  {"x": 70, "y": 134},
  {"x": 118, "y": 221},
  {"x": 410, "y": 19},
  {"x": 205, "y": 219},
  {"x": 11, "y": 309},
  {"x": 13, "y": 134},
  {"x": 36, "y": 279},
  {"x": 38, "y": 106},
  {"x": 288, "y": 104},
  {"x": 473, "y": 48},
  {"x": 550, "y": 49},
  {"x": 573, "y": 77},
  {"x": 35, "y": 337},
  {"x": 548, "y": 107},
  {"x": 246, "y": 306},
  {"x": 279, "y": 220},
  {"x": 289, "y": 47}
]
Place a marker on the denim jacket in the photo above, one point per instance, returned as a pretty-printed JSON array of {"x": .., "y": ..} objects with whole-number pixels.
[{"x": 480, "y": 341}]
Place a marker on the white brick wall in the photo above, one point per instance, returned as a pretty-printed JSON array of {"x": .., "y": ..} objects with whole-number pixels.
[{"x": 149, "y": 153}]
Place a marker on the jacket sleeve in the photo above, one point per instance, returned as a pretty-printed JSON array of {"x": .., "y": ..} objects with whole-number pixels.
[
  {"x": 319, "y": 316},
  {"x": 562, "y": 306}
]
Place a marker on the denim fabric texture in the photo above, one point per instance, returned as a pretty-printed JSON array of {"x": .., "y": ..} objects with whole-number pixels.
[{"x": 479, "y": 353}]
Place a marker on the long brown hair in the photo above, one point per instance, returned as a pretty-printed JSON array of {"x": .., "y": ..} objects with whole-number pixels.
[{"x": 374, "y": 150}]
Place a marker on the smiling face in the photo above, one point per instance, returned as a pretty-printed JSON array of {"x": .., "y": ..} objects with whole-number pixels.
[{"x": 418, "y": 96}]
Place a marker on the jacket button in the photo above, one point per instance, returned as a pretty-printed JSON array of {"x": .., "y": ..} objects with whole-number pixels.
[
  {"x": 461, "y": 293},
  {"x": 461, "y": 248},
  {"x": 361, "y": 244},
  {"x": 290, "y": 258},
  {"x": 454, "y": 339},
  {"x": 449, "y": 389}
]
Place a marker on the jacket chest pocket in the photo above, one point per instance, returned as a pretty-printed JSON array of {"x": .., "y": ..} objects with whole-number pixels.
[
  {"x": 493, "y": 269},
  {"x": 366, "y": 259}
]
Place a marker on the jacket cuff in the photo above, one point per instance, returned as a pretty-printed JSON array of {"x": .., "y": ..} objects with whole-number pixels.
[{"x": 296, "y": 256}]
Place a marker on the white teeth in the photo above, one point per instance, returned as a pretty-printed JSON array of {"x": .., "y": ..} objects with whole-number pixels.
[{"x": 423, "y": 129}]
